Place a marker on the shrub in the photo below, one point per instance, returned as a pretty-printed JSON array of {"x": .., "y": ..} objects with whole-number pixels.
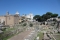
[
  {"x": 19, "y": 22},
  {"x": 31, "y": 25},
  {"x": 4, "y": 29},
  {"x": 58, "y": 31},
  {"x": 24, "y": 24}
]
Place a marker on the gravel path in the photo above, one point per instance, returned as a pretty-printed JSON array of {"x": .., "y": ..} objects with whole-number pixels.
[{"x": 20, "y": 36}]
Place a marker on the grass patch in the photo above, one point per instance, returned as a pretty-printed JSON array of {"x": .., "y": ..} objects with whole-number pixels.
[
  {"x": 57, "y": 37},
  {"x": 57, "y": 33},
  {"x": 35, "y": 38},
  {"x": 8, "y": 37},
  {"x": 5, "y": 38},
  {"x": 11, "y": 29},
  {"x": 40, "y": 36}
]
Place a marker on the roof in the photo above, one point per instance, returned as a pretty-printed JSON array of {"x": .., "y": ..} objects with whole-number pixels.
[{"x": 17, "y": 12}]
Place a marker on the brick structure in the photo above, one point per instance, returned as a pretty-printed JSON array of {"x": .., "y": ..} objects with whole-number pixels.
[{"x": 10, "y": 20}]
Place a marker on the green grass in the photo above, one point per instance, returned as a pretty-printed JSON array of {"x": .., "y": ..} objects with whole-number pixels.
[
  {"x": 40, "y": 36},
  {"x": 11, "y": 35},
  {"x": 8, "y": 37},
  {"x": 57, "y": 33},
  {"x": 35, "y": 38},
  {"x": 9, "y": 29},
  {"x": 57, "y": 37}
]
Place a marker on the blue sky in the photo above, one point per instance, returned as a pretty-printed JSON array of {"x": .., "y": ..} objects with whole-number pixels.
[{"x": 37, "y": 7}]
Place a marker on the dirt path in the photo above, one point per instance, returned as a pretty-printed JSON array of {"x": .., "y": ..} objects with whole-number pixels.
[{"x": 20, "y": 36}]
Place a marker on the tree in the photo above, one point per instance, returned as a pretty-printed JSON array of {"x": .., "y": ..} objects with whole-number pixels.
[
  {"x": 49, "y": 13},
  {"x": 36, "y": 16},
  {"x": 58, "y": 16},
  {"x": 54, "y": 15},
  {"x": 44, "y": 17}
]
